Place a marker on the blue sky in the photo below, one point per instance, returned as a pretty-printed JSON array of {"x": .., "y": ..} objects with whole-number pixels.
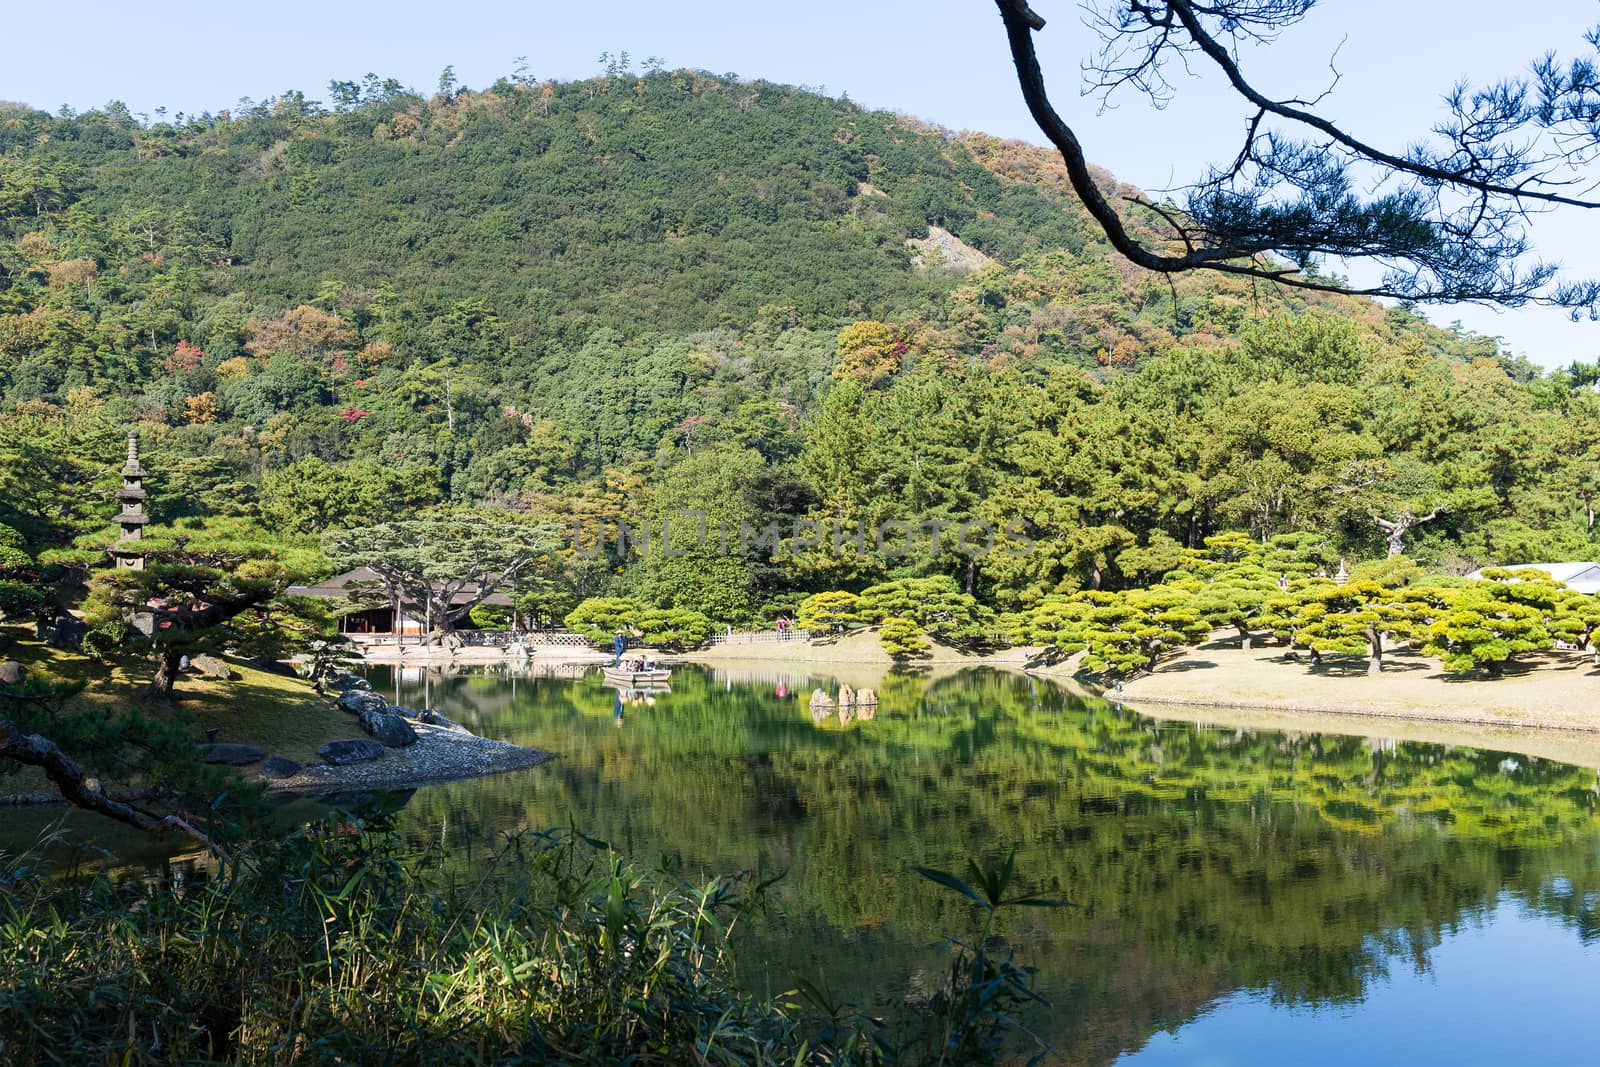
[{"x": 941, "y": 60}]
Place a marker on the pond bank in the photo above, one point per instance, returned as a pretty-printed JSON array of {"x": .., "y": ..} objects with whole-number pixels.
[
  {"x": 1557, "y": 692},
  {"x": 860, "y": 648}
]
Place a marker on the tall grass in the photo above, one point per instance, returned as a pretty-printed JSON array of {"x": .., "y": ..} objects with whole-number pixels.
[{"x": 340, "y": 945}]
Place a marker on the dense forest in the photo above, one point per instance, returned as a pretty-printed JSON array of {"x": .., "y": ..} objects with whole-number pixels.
[{"x": 644, "y": 296}]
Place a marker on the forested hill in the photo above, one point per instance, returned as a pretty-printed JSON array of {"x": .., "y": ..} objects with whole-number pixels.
[
  {"x": 674, "y": 202},
  {"x": 670, "y": 203},
  {"x": 676, "y": 289}
]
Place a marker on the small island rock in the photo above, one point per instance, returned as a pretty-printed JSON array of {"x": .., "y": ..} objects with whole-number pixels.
[
  {"x": 357, "y": 701},
  {"x": 432, "y": 717},
  {"x": 386, "y": 726},
  {"x": 344, "y": 681}
]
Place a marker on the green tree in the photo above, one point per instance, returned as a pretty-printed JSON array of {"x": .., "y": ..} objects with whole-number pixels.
[
  {"x": 702, "y": 554},
  {"x": 1239, "y": 582},
  {"x": 1353, "y": 618},
  {"x": 672, "y": 628},
  {"x": 1487, "y": 623},
  {"x": 601, "y": 618},
  {"x": 311, "y": 495},
  {"x": 199, "y": 586},
  {"x": 829, "y": 611},
  {"x": 937, "y": 605},
  {"x": 1055, "y": 624},
  {"x": 1448, "y": 221},
  {"x": 22, "y": 594},
  {"x": 446, "y": 563},
  {"x": 1124, "y": 633},
  {"x": 902, "y": 638}
]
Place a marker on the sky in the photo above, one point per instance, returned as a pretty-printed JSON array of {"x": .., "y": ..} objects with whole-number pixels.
[{"x": 944, "y": 61}]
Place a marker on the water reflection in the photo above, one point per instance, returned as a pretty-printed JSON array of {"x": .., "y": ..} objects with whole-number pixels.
[
  {"x": 1231, "y": 882},
  {"x": 1209, "y": 863}
]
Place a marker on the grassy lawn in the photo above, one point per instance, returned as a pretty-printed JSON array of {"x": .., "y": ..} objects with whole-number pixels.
[{"x": 278, "y": 713}]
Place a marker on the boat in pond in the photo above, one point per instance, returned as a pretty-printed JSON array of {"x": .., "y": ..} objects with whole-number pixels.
[{"x": 633, "y": 679}]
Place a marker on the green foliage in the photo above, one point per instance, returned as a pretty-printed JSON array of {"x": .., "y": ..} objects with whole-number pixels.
[
  {"x": 902, "y": 638},
  {"x": 936, "y": 604},
  {"x": 600, "y": 619},
  {"x": 354, "y": 946},
  {"x": 204, "y": 586},
  {"x": 676, "y": 629},
  {"x": 21, "y": 599},
  {"x": 445, "y": 563},
  {"x": 1239, "y": 582},
  {"x": 718, "y": 587},
  {"x": 576, "y": 957},
  {"x": 1124, "y": 633},
  {"x": 490, "y": 617},
  {"x": 1056, "y": 623},
  {"x": 1352, "y": 618},
  {"x": 1487, "y": 623},
  {"x": 311, "y": 496},
  {"x": 829, "y": 611},
  {"x": 984, "y": 995}
]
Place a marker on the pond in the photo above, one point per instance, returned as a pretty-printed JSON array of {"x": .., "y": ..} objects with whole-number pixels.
[{"x": 1242, "y": 897}]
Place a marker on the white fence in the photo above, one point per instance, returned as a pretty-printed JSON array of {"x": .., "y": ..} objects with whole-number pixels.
[
  {"x": 485, "y": 639},
  {"x": 757, "y": 637}
]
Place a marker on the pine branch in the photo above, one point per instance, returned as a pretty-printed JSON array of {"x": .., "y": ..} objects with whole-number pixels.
[{"x": 82, "y": 791}]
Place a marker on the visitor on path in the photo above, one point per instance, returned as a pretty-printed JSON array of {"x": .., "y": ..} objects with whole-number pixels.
[{"x": 783, "y": 627}]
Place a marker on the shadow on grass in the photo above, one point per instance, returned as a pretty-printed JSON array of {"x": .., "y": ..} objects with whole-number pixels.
[
  {"x": 1514, "y": 669},
  {"x": 1356, "y": 667},
  {"x": 1187, "y": 665}
]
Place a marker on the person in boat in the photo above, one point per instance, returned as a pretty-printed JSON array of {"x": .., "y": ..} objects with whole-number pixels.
[{"x": 619, "y": 644}]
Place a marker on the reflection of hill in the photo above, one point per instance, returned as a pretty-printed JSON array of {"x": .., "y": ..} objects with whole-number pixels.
[{"x": 1206, "y": 860}]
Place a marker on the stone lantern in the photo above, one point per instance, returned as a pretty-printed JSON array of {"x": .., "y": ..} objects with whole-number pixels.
[{"x": 132, "y": 519}]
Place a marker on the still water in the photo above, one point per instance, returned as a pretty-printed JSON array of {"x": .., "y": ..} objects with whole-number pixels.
[{"x": 1243, "y": 897}]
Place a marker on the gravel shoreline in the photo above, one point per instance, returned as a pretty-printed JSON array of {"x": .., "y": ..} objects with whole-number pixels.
[{"x": 440, "y": 755}]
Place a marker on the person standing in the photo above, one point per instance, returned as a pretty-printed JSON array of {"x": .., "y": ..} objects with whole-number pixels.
[{"x": 617, "y": 646}]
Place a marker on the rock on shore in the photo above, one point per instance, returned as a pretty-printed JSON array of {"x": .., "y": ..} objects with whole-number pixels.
[
  {"x": 417, "y": 746},
  {"x": 440, "y": 755}
]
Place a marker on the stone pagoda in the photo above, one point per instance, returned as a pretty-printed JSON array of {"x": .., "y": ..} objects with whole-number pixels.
[{"x": 127, "y": 551}]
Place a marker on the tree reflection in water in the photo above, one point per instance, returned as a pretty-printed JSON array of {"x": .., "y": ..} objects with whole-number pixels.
[{"x": 1206, "y": 861}]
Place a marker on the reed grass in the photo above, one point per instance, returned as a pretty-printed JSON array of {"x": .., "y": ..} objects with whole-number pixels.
[{"x": 342, "y": 943}]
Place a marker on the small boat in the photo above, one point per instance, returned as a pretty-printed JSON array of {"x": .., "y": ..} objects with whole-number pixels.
[{"x": 633, "y": 679}]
